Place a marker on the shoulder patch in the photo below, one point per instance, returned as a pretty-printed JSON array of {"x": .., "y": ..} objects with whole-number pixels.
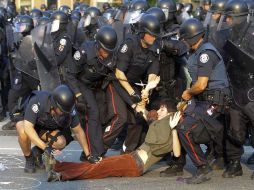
[
  {"x": 124, "y": 48},
  {"x": 63, "y": 42},
  {"x": 77, "y": 55},
  {"x": 204, "y": 58},
  {"x": 35, "y": 108}
]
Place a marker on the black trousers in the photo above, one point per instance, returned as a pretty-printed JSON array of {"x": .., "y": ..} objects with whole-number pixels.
[
  {"x": 93, "y": 127},
  {"x": 120, "y": 114},
  {"x": 22, "y": 87},
  {"x": 194, "y": 131}
]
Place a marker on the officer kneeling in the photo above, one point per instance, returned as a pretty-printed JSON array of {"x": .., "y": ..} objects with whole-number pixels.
[
  {"x": 207, "y": 98},
  {"x": 48, "y": 118}
]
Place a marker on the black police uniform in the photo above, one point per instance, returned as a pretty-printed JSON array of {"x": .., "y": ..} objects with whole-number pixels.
[
  {"x": 200, "y": 125},
  {"x": 137, "y": 63},
  {"x": 242, "y": 82},
  {"x": 38, "y": 112},
  {"x": 84, "y": 78}
]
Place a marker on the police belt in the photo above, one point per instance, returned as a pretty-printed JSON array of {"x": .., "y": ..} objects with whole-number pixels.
[{"x": 218, "y": 97}]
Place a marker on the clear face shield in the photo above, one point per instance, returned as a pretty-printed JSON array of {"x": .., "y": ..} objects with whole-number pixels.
[
  {"x": 132, "y": 17},
  {"x": 55, "y": 25},
  {"x": 166, "y": 12},
  {"x": 208, "y": 19},
  {"x": 85, "y": 21},
  {"x": 222, "y": 23},
  {"x": 108, "y": 18},
  {"x": 20, "y": 27}
]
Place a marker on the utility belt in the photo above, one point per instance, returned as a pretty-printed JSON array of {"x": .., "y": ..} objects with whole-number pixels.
[{"x": 217, "y": 97}]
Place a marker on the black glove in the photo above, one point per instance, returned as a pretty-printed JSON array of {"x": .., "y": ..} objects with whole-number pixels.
[
  {"x": 92, "y": 159},
  {"x": 135, "y": 97},
  {"x": 81, "y": 105}
]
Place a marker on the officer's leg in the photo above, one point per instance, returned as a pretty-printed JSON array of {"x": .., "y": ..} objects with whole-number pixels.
[
  {"x": 118, "y": 114},
  {"x": 93, "y": 128},
  {"x": 19, "y": 90},
  {"x": 186, "y": 131},
  {"x": 25, "y": 144},
  {"x": 234, "y": 143},
  {"x": 249, "y": 112}
]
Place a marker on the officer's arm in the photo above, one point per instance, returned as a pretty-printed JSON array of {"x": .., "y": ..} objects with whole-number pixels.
[
  {"x": 124, "y": 56},
  {"x": 199, "y": 86},
  {"x": 176, "y": 144},
  {"x": 33, "y": 136},
  {"x": 123, "y": 81},
  {"x": 62, "y": 49},
  {"x": 81, "y": 137}
]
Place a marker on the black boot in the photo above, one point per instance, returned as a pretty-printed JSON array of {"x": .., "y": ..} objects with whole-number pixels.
[
  {"x": 172, "y": 170},
  {"x": 30, "y": 164},
  {"x": 37, "y": 153},
  {"x": 203, "y": 174},
  {"x": 118, "y": 144},
  {"x": 218, "y": 164},
  {"x": 9, "y": 126},
  {"x": 234, "y": 169},
  {"x": 251, "y": 159}
]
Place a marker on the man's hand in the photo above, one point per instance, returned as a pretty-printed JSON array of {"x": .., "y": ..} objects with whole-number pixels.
[
  {"x": 186, "y": 95},
  {"x": 174, "y": 119},
  {"x": 93, "y": 160},
  {"x": 80, "y": 103},
  {"x": 135, "y": 97}
]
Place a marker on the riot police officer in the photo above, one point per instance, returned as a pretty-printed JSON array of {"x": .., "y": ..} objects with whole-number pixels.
[
  {"x": 206, "y": 5},
  {"x": 241, "y": 111},
  {"x": 36, "y": 14},
  {"x": 26, "y": 77},
  {"x": 48, "y": 119},
  {"x": 137, "y": 60},
  {"x": 92, "y": 62},
  {"x": 206, "y": 98}
]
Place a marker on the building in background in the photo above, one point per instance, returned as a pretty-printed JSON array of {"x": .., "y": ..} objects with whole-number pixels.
[{"x": 37, "y": 3}]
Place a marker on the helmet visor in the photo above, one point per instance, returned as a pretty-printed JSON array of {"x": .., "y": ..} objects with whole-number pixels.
[
  {"x": 132, "y": 17},
  {"x": 166, "y": 12},
  {"x": 20, "y": 27},
  {"x": 55, "y": 25}
]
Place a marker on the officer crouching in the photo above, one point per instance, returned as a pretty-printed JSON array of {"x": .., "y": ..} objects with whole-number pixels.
[
  {"x": 207, "y": 98},
  {"x": 48, "y": 118}
]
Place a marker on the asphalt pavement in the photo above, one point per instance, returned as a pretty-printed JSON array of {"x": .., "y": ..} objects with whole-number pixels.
[{"x": 13, "y": 177}]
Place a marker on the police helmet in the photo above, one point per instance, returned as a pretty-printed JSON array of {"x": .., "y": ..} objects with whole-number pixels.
[
  {"x": 46, "y": 14},
  {"x": 36, "y": 13},
  {"x": 83, "y": 7},
  {"x": 140, "y": 5},
  {"x": 149, "y": 24},
  {"x": 109, "y": 13},
  {"x": 106, "y": 38},
  {"x": 59, "y": 15},
  {"x": 167, "y": 4},
  {"x": 25, "y": 24},
  {"x": 43, "y": 21},
  {"x": 63, "y": 98},
  {"x": 236, "y": 8},
  {"x": 192, "y": 30},
  {"x": 206, "y": 2},
  {"x": 43, "y": 7},
  {"x": 199, "y": 13},
  {"x": 188, "y": 7},
  {"x": 179, "y": 7},
  {"x": 218, "y": 6},
  {"x": 94, "y": 12},
  {"x": 158, "y": 13},
  {"x": 76, "y": 14},
  {"x": 66, "y": 9},
  {"x": 106, "y": 6}
]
